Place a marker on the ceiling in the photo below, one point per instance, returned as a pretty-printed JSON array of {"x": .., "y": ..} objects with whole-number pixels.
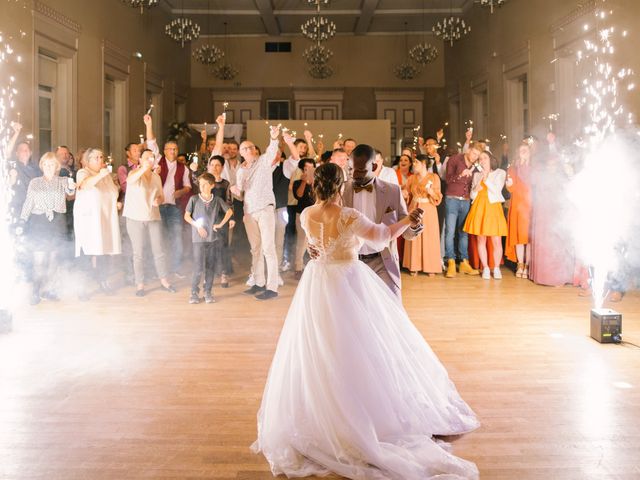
[{"x": 284, "y": 17}]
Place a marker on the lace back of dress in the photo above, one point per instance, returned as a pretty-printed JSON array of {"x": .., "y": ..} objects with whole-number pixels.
[{"x": 332, "y": 241}]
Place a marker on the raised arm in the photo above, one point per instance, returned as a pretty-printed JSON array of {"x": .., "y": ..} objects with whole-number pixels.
[
  {"x": 17, "y": 127},
  {"x": 217, "y": 149},
  {"x": 308, "y": 136}
]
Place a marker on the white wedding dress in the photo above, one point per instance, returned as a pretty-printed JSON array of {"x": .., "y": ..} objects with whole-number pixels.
[{"x": 354, "y": 389}]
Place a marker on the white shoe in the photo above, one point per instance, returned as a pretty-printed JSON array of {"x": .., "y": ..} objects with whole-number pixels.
[
  {"x": 250, "y": 281},
  {"x": 285, "y": 267},
  {"x": 497, "y": 274},
  {"x": 280, "y": 281},
  {"x": 486, "y": 273}
]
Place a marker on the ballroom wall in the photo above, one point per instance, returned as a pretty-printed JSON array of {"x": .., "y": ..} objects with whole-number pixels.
[
  {"x": 94, "y": 39},
  {"x": 539, "y": 39}
]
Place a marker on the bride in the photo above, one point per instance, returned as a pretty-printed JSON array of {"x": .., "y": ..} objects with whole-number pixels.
[{"x": 354, "y": 389}]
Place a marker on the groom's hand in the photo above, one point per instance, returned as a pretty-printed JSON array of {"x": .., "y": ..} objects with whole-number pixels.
[
  {"x": 314, "y": 253},
  {"x": 416, "y": 217}
]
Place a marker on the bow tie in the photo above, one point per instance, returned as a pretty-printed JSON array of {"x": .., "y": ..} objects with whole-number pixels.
[{"x": 358, "y": 189}]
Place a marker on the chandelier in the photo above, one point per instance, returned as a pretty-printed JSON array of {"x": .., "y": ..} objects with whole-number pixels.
[
  {"x": 207, "y": 54},
  {"x": 423, "y": 53},
  {"x": 491, "y": 3},
  {"x": 451, "y": 29},
  {"x": 182, "y": 30},
  {"x": 320, "y": 71},
  {"x": 226, "y": 71},
  {"x": 317, "y": 54},
  {"x": 406, "y": 71},
  {"x": 141, "y": 4},
  {"x": 318, "y": 29}
]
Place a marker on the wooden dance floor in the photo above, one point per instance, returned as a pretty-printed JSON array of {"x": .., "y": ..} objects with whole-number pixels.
[{"x": 130, "y": 388}]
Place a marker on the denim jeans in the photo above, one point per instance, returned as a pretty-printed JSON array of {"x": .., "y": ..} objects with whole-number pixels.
[
  {"x": 456, "y": 214},
  {"x": 172, "y": 221}
]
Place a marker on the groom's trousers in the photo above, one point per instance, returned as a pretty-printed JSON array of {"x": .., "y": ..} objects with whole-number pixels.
[{"x": 376, "y": 263}]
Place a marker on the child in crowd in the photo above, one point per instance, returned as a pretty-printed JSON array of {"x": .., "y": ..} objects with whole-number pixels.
[{"x": 201, "y": 213}]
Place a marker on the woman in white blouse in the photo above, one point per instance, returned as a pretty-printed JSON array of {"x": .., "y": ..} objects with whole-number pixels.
[
  {"x": 44, "y": 213},
  {"x": 96, "y": 216}
]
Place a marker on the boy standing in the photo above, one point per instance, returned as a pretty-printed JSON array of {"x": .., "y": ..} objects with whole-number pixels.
[{"x": 201, "y": 213}]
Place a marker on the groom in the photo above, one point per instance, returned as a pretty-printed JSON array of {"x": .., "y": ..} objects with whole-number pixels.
[{"x": 380, "y": 202}]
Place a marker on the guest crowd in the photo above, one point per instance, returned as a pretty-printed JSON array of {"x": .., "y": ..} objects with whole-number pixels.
[{"x": 75, "y": 211}]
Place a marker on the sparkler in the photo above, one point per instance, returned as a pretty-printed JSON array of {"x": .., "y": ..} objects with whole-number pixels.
[
  {"x": 599, "y": 99},
  {"x": 553, "y": 118},
  {"x": 225, "y": 106},
  {"x": 416, "y": 137},
  {"x": 8, "y": 93},
  {"x": 150, "y": 108},
  {"x": 469, "y": 125}
]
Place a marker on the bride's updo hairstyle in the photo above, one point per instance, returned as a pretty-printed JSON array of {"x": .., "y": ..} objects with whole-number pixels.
[{"x": 327, "y": 181}]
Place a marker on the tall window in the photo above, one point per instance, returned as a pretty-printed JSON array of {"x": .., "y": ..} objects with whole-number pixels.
[
  {"x": 109, "y": 117},
  {"x": 525, "y": 103},
  {"x": 47, "y": 82}
]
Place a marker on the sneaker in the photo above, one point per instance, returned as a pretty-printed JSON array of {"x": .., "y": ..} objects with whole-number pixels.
[
  {"x": 250, "y": 281},
  {"x": 255, "y": 290},
  {"x": 497, "y": 274},
  {"x": 486, "y": 273},
  {"x": 267, "y": 295},
  {"x": 285, "y": 267},
  {"x": 194, "y": 299},
  {"x": 208, "y": 298}
]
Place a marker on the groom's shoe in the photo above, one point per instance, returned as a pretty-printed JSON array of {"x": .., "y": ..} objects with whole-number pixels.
[
  {"x": 255, "y": 290},
  {"x": 267, "y": 295}
]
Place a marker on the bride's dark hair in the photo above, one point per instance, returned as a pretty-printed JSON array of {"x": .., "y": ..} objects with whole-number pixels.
[{"x": 327, "y": 181}]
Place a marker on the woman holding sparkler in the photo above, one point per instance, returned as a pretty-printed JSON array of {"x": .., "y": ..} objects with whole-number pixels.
[
  {"x": 44, "y": 210},
  {"x": 486, "y": 218},
  {"x": 519, "y": 184},
  {"x": 95, "y": 213},
  {"x": 422, "y": 190}
]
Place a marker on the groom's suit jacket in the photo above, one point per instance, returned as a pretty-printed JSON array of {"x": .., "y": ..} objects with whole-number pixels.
[{"x": 390, "y": 208}]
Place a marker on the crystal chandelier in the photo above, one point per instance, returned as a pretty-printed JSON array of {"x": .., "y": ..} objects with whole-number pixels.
[
  {"x": 451, "y": 29},
  {"x": 318, "y": 29},
  {"x": 208, "y": 54},
  {"x": 141, "y": 4},
  {"x": 423, "y": 53},
  {"x": 317, "y": 54},
  {"x": 320, "y": 71},
  {"x": 491, "y": 3},
  {"x": 182, "y": 29}
]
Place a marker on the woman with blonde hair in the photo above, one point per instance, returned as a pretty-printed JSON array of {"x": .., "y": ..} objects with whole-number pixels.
[
  {"x": 44, "y": 212},
  {"x": 96, "y": 216}
]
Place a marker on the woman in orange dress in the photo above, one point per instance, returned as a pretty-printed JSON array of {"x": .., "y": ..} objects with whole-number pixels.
[
  {"x": 403, "y": 170},
  {"x": 422, "y": 190},
  {"x": 486, "y": 218},
  {"x": 519, "y": 184}
]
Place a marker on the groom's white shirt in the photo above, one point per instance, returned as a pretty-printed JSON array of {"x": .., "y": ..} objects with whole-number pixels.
[{"x": 365, "y": 202}]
